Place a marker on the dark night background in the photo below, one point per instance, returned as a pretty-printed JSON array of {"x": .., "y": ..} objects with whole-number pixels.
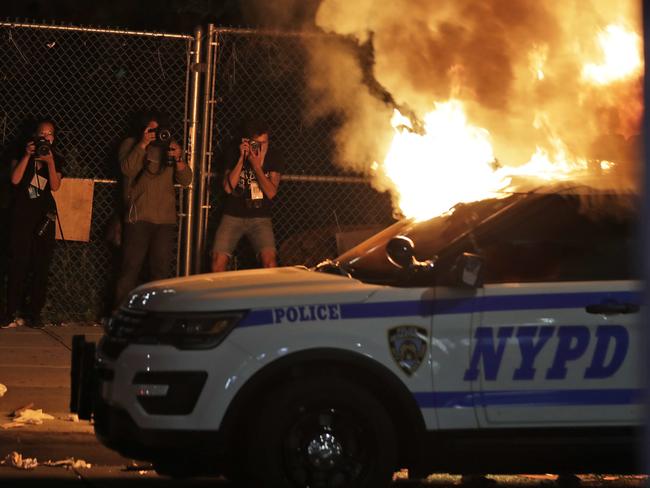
[{"x": 174, "y": 16}]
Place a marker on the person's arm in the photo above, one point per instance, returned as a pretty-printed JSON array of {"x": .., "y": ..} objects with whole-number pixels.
[
  {"x": 231, "y": 178},
  {"x": 132, "y": 154},
  {"x": 183, "y": 174},
  {"x": 182, "y": 170},
  {"x": 18, "y": 167},
  {"x": 268, "y": 184},
  {"x": 54, "y": 176}
]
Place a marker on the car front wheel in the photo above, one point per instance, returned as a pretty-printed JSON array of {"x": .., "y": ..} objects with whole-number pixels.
[{"x": 321, "y": 432}]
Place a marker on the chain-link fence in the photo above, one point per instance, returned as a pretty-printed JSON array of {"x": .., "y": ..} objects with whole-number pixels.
[
  {"x": 90, "y": 81},
  {"x": 262, "y": 75}
]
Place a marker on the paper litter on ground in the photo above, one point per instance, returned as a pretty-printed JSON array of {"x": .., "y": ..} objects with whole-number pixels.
[
  {"x": 71, "y": 417},
  {"x": 70, "y": 463},
  {"x": 27, "y": 416},
  {"x": 3, "y": 389},
  {"x": 17, "y": 461}
]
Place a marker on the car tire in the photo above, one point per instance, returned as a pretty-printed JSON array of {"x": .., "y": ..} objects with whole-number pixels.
[{"x": 321, "y": 432}]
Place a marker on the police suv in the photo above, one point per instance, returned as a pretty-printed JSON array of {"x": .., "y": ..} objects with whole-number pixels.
[{"x": 500, "y": 337}]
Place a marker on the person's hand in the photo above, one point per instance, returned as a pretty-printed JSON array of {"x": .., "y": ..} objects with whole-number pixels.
[
  {"x": 148, "y": 135},
  {"x": 244, "y": 149},
  {"x": 30, "y": 148},
  {"x": 256, "y": 158},
  {"x": 47, "y": 158},
  {"x": 175, "y": 152}
]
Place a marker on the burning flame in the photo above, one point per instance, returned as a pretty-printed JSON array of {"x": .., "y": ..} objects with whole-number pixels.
[
  {"x": 537, "y": 61},
  {"x": 454, "y": 162},
  {"x": 451, "y": 162},
  {"x": 621, "y": 56},
  {"x": 555, "y": 96}
]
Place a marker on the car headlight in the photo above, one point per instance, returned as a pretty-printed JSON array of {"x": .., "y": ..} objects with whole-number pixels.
[
  {"x": 184, "y": 330},
  {"x": 198, "y": 331}
]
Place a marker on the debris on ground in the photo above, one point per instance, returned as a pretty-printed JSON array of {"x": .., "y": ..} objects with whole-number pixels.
[
  {"x": 402, "y": 474},
  {"x": 142, "y": 470},
  {"x": 70, "y": 463},
  {"x": 17, "y": 461},
  {"x": 27, "y": 416},
  {"x": 71, "y": 417},
  {"x": 3, "y": 389}
]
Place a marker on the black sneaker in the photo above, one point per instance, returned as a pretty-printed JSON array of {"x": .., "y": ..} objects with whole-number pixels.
[{"x": 34, "y": 322}]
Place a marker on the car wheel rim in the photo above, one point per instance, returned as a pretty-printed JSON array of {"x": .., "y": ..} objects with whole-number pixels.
[{"x": 326, "y": 448}]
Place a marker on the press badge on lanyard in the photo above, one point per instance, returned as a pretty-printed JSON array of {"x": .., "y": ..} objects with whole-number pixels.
[
  {"x": 37, "y": 185},
  {"x": 256, "y": 192}
]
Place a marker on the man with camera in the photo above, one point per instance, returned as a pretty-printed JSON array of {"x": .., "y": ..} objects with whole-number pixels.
[
  {"x": 251, "y": 182},
  {"x": 36, "y": 172},
  {"x": 151, "y": 163}
]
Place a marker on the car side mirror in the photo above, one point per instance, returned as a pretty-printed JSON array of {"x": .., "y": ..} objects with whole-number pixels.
[
  {"x": 400, "y": 251},
  {"x": 468, "y": 270}
]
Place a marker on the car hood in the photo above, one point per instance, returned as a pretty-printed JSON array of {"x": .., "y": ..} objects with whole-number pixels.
[{"x": 242, "y": 290}]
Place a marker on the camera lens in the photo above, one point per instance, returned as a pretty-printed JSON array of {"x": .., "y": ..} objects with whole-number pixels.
[
  {"x": 164, "y": 135},
  {"x": 42, "y": 147}
]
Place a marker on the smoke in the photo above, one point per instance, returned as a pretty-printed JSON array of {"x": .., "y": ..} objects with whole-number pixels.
[{"x": 517, "y": 66}]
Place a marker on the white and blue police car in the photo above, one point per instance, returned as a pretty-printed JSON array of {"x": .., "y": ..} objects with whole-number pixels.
[{"x": 500, "y": 337}]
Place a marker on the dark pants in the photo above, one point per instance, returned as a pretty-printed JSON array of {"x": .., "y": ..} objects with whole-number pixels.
[
  {"x": 29, "y": 253},
  {"x": 144, "y": 241}
]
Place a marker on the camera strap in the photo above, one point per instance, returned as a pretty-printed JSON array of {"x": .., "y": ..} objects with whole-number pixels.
[{"x": 37, "y": 183}]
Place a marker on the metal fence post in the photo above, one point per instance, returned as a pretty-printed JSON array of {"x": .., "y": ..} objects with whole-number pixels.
[
  {"x": 206, "y": 149},
  {"x": 644, "y": 253},
  {"x": 193, "y": 150}
]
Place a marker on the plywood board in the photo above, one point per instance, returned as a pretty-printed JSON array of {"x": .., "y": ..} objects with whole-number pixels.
[{"x": 74, "y": 202}]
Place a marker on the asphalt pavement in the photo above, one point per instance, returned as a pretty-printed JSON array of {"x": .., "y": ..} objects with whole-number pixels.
[{"x": 35, "y": 369}]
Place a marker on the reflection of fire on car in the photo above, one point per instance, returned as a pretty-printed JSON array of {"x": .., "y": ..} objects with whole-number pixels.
[{"x": 500, "y": 337}]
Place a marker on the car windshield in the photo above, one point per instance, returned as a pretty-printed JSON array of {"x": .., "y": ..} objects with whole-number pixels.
[{"x": 368, "y": 261}]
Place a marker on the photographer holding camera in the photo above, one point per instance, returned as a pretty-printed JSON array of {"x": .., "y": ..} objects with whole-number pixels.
[
  {"x": 151, "y": 163},
  {"x": 251, "y": 182},
  {"x": 35, "y": 174}
]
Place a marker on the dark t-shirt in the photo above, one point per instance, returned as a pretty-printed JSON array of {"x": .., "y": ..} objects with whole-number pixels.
[
  {"x": 33, "y": 192},
  {"x": 241, "y": 202}
]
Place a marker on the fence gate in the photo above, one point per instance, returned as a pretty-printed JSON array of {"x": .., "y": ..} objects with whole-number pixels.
[
  {"x": 257, "y": 74},
  {"x": 89, "y": 81}
]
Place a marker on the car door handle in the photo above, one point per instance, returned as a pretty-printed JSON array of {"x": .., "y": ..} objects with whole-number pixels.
[{"x": 612, "y": 308}]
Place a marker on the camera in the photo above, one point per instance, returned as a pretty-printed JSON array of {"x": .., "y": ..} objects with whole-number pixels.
[
  {"x": 254, "y": 145},
  {"x": 43, "y": 146},
  {"x": 163, "y": 136}
]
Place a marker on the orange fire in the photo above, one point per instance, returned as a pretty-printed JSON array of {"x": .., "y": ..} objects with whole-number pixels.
[
  {"x": 621, "y": 50},
  {"x": 454, "y": 161}
]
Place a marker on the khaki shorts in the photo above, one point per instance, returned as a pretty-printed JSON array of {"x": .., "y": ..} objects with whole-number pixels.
[{"x": 258, "y": 230}]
